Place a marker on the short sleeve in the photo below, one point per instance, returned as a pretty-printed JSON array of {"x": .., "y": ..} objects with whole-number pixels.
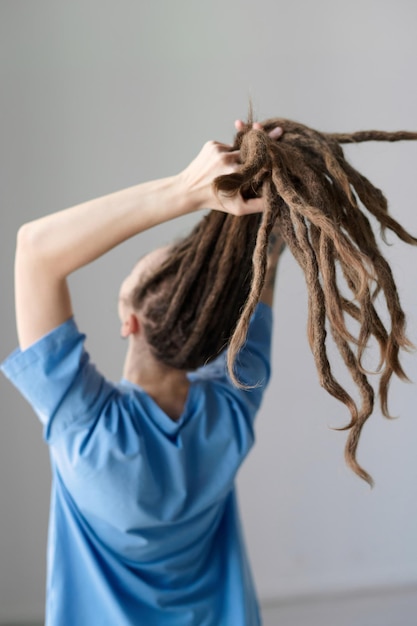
[
  {"x": 56, "y": 377},
  {"x": 253, "y": 362}
]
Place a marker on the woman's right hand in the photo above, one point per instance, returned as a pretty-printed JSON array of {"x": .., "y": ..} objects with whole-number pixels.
[{"x": 216, "y": 159}]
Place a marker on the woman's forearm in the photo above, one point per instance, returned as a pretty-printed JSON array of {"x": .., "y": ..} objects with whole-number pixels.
[
  {"x": 67, "y": 240},
  {"x": 73, "y": 237}
]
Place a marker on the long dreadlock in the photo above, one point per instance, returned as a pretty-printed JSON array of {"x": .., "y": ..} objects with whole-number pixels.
[{"x": 202, "y": 297}]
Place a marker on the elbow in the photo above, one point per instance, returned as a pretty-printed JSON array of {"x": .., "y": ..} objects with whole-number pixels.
[
  {"x": 24, "y": 237},
  {"x": 34, "y": 247},
  {"x": 29, "y": 239},
  {"x": 23, "y": 241},
  {"x": 28, "y": 245}
]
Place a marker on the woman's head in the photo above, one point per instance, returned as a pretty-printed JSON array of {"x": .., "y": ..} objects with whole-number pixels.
[{"x": 190, "y": 296}]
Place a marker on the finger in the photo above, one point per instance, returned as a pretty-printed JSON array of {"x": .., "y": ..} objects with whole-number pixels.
[
  {"x": 233, "y": 155},
  {"x": 223, "y": 147},
  {"x": 276, "y": 132},
  {"x": 254, "y": 205},
  {"x": 232, "y": 159}
]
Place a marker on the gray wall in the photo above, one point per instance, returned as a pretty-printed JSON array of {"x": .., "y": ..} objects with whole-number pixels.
[{"x": 98, "y": 95}]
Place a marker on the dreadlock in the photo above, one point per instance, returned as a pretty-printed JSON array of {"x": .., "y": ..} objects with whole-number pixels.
[{"x": 201, "y": 299}]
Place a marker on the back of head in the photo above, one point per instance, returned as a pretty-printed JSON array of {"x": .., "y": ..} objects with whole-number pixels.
[{"x": 192, "y": 302}]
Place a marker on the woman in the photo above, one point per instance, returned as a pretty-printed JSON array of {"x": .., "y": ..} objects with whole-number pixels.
[{"x": 144, "y": 525}]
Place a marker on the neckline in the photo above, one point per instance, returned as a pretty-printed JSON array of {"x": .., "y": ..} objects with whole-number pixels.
[{"x": 157, "y": 413}]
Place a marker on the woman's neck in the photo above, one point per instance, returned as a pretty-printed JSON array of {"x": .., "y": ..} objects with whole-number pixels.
[{"x": 167, "y": 386}]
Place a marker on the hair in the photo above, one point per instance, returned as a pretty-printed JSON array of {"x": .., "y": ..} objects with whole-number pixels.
[{"x": 201, "y": 299}]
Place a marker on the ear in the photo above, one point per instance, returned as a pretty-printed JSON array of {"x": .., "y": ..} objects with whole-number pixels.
[{"x": 130, "y": 326}]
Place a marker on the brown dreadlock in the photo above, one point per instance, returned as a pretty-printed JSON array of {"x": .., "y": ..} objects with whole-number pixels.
[{"x": 202, "y": 297}]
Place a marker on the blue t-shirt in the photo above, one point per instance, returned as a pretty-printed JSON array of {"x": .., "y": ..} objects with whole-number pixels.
[{"x": 144, "y": 523}]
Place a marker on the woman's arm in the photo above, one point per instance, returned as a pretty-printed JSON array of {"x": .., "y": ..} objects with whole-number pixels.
[{"x": 54, "y": 246}]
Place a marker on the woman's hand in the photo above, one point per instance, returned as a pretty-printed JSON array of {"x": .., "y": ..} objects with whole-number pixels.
[{"x": 216, "y": 159}]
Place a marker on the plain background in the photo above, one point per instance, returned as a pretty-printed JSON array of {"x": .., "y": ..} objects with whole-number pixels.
[{"x": 98, "y": 95}]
